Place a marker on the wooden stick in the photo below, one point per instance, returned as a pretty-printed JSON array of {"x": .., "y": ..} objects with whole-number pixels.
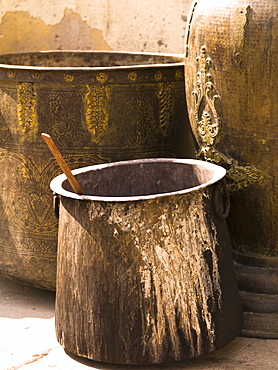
[{"x": 64, "y": 167}]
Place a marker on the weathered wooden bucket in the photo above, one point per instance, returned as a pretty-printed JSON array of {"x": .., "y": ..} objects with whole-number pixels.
[
  {"x": 145, "y": 271},
  {"x": 98, "y": 107},
  {"x": 231, "y": 86}
]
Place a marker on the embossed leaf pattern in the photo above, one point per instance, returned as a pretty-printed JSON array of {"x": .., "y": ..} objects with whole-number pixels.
[{"x": 207, "y": 126}]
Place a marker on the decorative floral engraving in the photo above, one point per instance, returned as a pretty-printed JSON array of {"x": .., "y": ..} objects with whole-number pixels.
[
  {"x": 238, "y": 177},
  {"x": 11, "y": 73},
  {"x": 158, "y": 76},
  {"x": 165, "y": 101},
  {"x": 207, "y": 128},
  {"x": 68, "y": 77},
  {"x": 37, "y": 76},
  {"x": 55, "y": 103},
  {"x": 102, "y": 77},
  {"x": 96, "y": 114},
  {"x": 179, "y": 75},
  {"x": 25, "y": 196},
  {"x": 207, "y": 120},
  {"x": 132, "y": 76},
  {"x": 26, "y": 106}
]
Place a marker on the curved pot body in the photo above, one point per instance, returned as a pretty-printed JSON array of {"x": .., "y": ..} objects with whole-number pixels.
[
  {"x": 98, "y": 107},
  {"x": 231, "y": 78},
  {"x": 145, "y": 272}
]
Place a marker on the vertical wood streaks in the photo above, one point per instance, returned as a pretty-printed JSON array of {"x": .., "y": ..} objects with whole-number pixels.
[{"x": 138, "y": 282}]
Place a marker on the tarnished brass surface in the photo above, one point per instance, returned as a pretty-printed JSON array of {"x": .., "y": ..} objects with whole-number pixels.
[
  {"x": 231, "y": 79},
  {"x": 98, "y": 107},
  {"x": 207, "y": 128},
  {"x": 231, "y": 59}
]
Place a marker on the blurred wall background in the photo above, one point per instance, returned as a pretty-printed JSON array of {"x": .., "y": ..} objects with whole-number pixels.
[{"x": 134, "y": 25}]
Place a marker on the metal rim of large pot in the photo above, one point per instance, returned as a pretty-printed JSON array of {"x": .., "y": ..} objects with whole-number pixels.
[
  {"x": 56, "y": 184},
  {"x": 171, "y": 60}
]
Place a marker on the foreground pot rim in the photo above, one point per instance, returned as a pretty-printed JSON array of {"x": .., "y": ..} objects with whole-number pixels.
[
  {"x": 56, "y": 184},
  {"x": 178, "y": 63}
]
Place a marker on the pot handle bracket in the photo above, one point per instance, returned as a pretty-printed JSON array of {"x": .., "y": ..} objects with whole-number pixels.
[
  {"x": 221, "y": 199},
  {"x": 206, "y": 124}
]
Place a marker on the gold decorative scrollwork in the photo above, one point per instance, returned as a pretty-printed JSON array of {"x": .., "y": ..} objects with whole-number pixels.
[
  {"x": 26, "y": 107},
  {"x": 238, "y": 177},
  {"x": 208, "y": 126},
  {"x": 207, "y": 120},
  {"x": 96, "y": 110}
]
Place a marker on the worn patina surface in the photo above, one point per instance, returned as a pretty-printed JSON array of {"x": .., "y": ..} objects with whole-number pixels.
[
  {"x": 231, "y": 68},
  {"x": 98, "y": 107},
  {"x": 145, "y": 277}
]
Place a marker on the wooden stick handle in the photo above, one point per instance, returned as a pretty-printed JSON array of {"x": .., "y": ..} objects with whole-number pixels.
[{"x": 64, "y": 167}]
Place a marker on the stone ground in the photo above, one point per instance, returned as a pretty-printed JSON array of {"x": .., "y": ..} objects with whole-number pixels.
[{"x": 28, "y": 342}]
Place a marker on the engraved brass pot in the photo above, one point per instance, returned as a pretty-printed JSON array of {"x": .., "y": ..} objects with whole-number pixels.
[
  {"x": 231, "y": 83},
  {"x": 145, "y": 272},
  {"x": 98, "y": 107}
]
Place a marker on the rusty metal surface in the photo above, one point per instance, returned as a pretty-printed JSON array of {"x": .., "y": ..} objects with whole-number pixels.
[
  {"x": 98, "y": 107},
  {"x": 145, "y": 271},
  {"x": 231, "y": 58}
]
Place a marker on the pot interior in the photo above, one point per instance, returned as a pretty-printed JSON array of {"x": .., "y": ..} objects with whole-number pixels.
[
  {"x": 141, "y": 178},
  {"x": 86, "y": 59}
]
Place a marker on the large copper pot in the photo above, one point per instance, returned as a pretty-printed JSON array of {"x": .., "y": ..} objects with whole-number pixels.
[
  {"x": 98, "y": 107},
  {"x": 231, "y": 85}
]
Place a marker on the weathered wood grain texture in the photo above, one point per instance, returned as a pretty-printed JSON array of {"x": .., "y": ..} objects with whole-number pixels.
[{"x": 145, "y": 281}]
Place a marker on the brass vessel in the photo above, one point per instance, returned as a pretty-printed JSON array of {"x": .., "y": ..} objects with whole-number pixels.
[
  {"x": 98, "y": 107},
  {"x": 231, "y": 60}
]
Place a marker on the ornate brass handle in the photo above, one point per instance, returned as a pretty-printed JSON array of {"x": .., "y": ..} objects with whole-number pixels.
[{"x": 207, "y": 128}]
